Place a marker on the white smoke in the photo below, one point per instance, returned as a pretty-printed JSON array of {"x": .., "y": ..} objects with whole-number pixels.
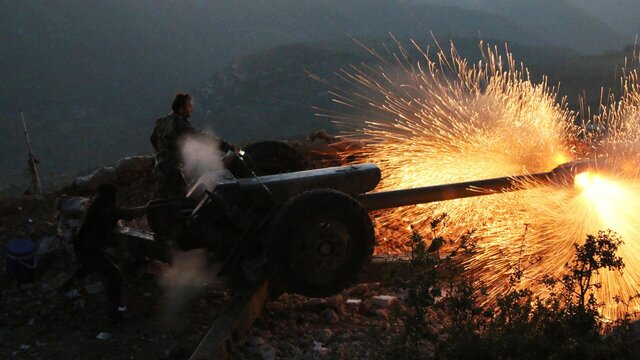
[
  {"x": 186, "y": 277},
  {"x": 200, "y": 156}
]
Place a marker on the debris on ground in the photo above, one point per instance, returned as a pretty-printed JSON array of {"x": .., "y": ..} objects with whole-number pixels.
[{"x": 38, "y": 320}]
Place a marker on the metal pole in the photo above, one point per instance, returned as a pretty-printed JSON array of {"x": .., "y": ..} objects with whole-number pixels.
[{"x": 33, "y": 170}]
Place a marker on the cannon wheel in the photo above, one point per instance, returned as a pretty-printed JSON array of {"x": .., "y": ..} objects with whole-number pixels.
[
  {"x": 320, "y": 241},
  {"x": 274, "y": 157}
]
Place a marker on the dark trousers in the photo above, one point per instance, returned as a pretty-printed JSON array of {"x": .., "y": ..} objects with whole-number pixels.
[{"x": 99, "y": 263}]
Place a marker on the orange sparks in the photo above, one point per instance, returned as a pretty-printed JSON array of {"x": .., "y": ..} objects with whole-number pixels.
[{"x": 429, "y": 122}]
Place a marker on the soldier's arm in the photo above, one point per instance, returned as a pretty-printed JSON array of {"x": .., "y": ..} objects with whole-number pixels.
[
  {"x": 131, "y": 213},
  {"x": 227, "y": 146},
  {"x": 199, "y": 135}
]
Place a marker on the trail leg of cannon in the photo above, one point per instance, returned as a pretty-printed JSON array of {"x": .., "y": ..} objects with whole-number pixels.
[{"x": 235, "y": 320}]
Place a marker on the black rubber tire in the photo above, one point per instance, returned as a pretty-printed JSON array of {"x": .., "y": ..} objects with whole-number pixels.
[
  {"x": 319, "y": 243},
  {"x": 274, "y": 157}
]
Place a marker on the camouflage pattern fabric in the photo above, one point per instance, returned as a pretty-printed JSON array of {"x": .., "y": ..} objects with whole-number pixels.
[
  {"x": 169, "y": 130},
  {"x": 167, "y": 172},
  {"x": 170, "y": 183}
]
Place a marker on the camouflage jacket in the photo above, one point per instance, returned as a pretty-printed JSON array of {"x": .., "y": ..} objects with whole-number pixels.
[{"x": 167, "y": 134}]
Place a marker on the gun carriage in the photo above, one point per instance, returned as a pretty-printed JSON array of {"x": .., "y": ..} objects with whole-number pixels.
[{"x": 308, "y": 232}]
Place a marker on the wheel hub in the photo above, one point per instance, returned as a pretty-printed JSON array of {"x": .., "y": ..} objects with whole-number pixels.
[
  {"x": 321, "y": 248},
  {"x": 325, "y": 248}
]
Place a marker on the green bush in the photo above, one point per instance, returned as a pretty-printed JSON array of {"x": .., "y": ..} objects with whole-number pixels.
[{"x": 520, "y": 324}]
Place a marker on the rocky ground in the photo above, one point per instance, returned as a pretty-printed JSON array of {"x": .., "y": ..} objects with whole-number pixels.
[{"x": 37, "y": 321}]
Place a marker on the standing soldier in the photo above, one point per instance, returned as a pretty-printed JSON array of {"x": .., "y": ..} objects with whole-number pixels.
[
  {"x": 169, "y": 133},
  {"x": 94, "y": 236}
]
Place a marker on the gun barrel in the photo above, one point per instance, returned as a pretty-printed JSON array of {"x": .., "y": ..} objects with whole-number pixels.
[
  {"x": 561, "y": 175},
  {"x": 429, "y": 194}
]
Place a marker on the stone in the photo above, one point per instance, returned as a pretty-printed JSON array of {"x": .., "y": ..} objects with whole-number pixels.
[
  {"x": 97, "y": 178},
  {"x": 315, "y": 304},
  {"x": 267, "y": 352},
  {"x": 337, "y": 303},
  {"x": 292, "y": 351},
  {"x": 103, "y": 336},
  {"x": 94, "y": 288},
  {"x": 358, "y": 290},
  {"x": 72, "y": 294},
  {"x": 382, "y": 313},
  {"x": 134, "y": 165},
  {"x": 78, "y": 304},
  {"x": 27, "y": 287},
  {"x": 319, "y": 348},
  {"x": 384, "y": 301},
  {"x": 324, "y": 335},
  {"x": 48, "y": 246},
  {"x": 255, "y": 341},
  {"x": 330, "y": 316}
]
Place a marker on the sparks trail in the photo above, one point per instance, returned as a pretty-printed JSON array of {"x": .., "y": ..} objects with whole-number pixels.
[
  {"x": 436, "y": 118},
  {"x": 433, "y": 122}
]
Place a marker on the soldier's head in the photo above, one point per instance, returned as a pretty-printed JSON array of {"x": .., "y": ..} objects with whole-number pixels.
[
  {"x": 182, "y": 105},
  {"x": 106, "y": 194}
]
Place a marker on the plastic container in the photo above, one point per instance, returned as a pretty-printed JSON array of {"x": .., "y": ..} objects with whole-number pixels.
[{"x": 20, "y": 259}]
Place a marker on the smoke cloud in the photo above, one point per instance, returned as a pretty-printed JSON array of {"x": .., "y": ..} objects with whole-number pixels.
[
  {"x": 188, "y": 275},
  {"x": 200, "y": 156}
]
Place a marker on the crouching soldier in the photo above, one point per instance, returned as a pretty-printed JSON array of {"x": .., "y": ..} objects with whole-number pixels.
[{"x": 94, "y": 236}]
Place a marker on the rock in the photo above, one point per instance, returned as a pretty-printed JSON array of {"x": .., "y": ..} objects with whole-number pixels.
[
  {"x": 27, "y": 287},
  {"x": 48, "y": 246},
  {"x": 384, "y": 301},
  {"x": 267, "y": 352},
  {"x": 78, "y": 304},
  {"x": 382, "y": 313},
  {"x": 101, "y": 176},
  {"x": 358, "y": 290},
  {"x": 324, "y": 335},
  {"x": 330, "y": 316},
  {"x": 94, "y": 288},
  {"x": 255, "y": 341},
  {"x": 73, "y": 206},
  {"x": 337, "y": 303},
  {"x": 103, "y": 336},
  {"x": 134, "y": 165},
  {"x": 354, "y": 301},
  {"x": 292, "y": 351},
  {"x": 316, "y": 349},
  {"x": 315, "y": 304}
]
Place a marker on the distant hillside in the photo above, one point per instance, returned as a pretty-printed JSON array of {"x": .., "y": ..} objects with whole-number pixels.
[
  {"x": 562, "y": 24},
  {"x": 92, "y": 75},
  {"x": 622, "y": 15},
  {"x": 566, "y": 23},
  {"x": 270, "y": 95}
]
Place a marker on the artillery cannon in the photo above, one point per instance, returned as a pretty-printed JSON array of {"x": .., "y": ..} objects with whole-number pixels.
[{"x": 309, "y": 232}]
